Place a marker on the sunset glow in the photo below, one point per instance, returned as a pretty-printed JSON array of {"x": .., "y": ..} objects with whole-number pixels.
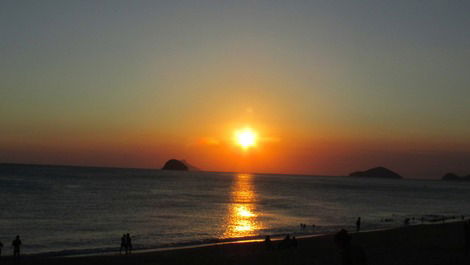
[
  {"x": 291, "y": 87},
  {"x": 232, "y": 127},
  {"x": 246, "y": 138},
  {"x": 242, "y": 219}
]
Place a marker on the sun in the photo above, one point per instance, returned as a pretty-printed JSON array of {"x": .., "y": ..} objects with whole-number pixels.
[{"x": 246, "y": 138}]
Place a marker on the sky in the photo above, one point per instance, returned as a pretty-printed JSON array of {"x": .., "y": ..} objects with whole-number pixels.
[{"x": 330, "y": 87}]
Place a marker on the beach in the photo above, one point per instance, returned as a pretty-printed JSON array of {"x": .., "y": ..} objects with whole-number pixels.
[{"x": 417, "y": 244}]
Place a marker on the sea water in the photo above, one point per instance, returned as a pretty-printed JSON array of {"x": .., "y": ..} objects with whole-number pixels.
[{"x": 76, "y": 210}]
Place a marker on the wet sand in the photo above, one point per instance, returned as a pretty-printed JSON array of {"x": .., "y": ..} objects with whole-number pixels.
[{"x": 419, "y": 244}]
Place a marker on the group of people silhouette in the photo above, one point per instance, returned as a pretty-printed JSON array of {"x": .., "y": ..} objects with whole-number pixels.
[
  {"x": 287, "y": 242},
  {"x": 304, "y": 226},
  {"x": 350, "y": 254},
  {"x": 126, "y": 244},
  {"x": 16, "y": 244}
]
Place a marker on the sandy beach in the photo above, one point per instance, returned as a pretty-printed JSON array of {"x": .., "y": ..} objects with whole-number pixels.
[{"x": 419, "y": 244}]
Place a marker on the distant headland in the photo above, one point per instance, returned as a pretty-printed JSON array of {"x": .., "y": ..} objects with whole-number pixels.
[
  {"x": 455, "y": 177},
  {"x": 377, "y": 172}
]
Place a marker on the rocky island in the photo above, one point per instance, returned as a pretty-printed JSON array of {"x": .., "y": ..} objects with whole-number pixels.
[
  {"x": 174, "y": 164},
  {"x": 455, "y": 177},
  {"x": 377, "y": 172}
]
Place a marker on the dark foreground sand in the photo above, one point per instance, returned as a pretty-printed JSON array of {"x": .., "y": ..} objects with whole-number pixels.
[{"x": 421, "y": 244}]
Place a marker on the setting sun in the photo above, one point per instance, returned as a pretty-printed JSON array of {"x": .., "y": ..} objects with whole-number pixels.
[{"x": 246, "y": 138}]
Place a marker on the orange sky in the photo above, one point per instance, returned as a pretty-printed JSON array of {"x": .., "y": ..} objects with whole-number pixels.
[
  {"x": 330, "y": 87},
  {"x": 278, "y": 150}
]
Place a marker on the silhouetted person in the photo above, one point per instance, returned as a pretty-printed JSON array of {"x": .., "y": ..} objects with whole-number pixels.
[
  {"x": 1, "y": 246},
  {"x": 467, "y": 237},
  {"x": 286, "y": 242},
  {"x": 294, "y": 242},
  {"x": 349, "y": 254},
  {"x": 407, "y": 221},
  {"x": 129, "y": 243},
  {"x": 358, "y": 224},
  {"x": 123, "y": 244},
  {"x": 16, "y": 246},
  {"x": 268, "y": 243}
]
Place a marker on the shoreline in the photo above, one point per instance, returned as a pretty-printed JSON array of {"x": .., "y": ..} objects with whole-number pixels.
[
  {"x": 72, "y": 253},
  {"x": 109, "y": 251},
  {"x": 419, "y": 243}
]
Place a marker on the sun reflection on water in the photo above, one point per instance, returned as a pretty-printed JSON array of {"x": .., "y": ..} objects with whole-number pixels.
[{"x": 242, "y": 216}]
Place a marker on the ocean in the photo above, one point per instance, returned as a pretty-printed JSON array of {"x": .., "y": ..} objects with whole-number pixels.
[{"x": 60, "y": 210}]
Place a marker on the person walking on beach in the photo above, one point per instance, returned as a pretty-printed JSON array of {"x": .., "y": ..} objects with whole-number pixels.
[
  {"x": 406, "y": 222},
  {"x": 268, "y": 242},
  {"x": 128, "y": 243},
  {"x": 123, "y": 244},
  {"x": 358, "y": 224},
  {"x": 285, "y": 243},
  {"x": 294, "y": 243},
  {"x": 16, "y": 246}
]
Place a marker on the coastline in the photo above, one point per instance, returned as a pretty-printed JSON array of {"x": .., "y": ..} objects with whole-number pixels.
[
  {"x": 416, "y": 244},
  {"x": 320, "y": 231},
  {"x": 109, "y": 251}
]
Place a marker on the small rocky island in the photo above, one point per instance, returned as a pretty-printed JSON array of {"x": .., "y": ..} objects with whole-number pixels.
[
  {"x": 174, "y": 164},
  {"x": 455, "y": 177},
  {"x": 377, "y": 172}
]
